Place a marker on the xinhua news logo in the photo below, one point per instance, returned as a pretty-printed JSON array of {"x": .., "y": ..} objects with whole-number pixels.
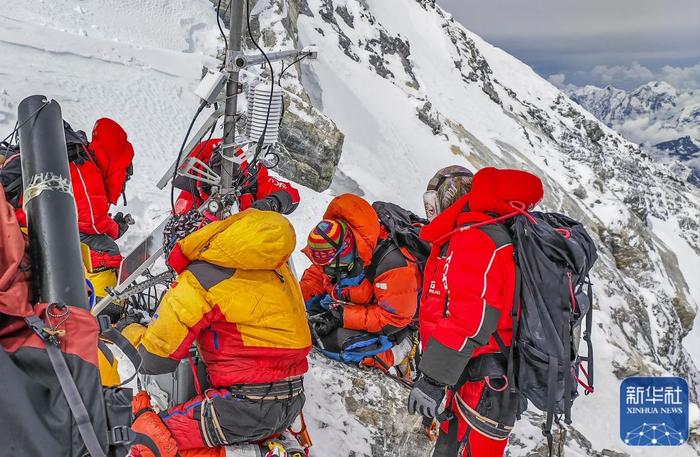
[{"x": 654, "y": 411}]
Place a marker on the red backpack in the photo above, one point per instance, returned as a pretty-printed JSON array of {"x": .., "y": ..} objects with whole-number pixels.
[{"x": 50, "y": 379}]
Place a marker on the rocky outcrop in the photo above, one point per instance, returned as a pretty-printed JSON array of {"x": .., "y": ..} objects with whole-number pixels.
[
  {"x": 429, "y": 118},
  {"x": 378, "y": 425},
  {"x": 308, "y": 155}
]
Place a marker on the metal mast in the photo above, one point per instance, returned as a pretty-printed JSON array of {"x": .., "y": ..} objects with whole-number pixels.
[{"x": 233, "y": 67}]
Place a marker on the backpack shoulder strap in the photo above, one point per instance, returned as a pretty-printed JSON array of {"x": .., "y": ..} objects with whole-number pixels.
[
  {"x": 387, "y": 256},
  {"x": 498, "y": 233},
  {"x": 111, "y": 335}
]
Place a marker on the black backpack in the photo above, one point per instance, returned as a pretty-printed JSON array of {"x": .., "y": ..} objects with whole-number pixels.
[
  {"x": 552, "y": 311},
  {"x": 404, "y": 231},
  {"x": 11, "y": 172}
]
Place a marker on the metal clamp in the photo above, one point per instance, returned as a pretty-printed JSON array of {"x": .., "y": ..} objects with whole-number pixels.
[{"x": 236, "y": 60}]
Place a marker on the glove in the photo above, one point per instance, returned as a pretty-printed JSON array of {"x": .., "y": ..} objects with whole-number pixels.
[
  {"x": 269, "y": 203},
  {"x": 123, "y": 221},
  {"x": 314, "y": 301},
  {"x": 426, "y": 397},
  {"x": 351, "y": 282},
  {"x": 326, "y": 302},
  {"x": 329, "y": 321}
]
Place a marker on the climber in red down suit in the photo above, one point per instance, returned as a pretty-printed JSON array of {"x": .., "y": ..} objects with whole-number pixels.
[
  {"x": 468, "y": 293},
  {"x": 99, "y": 171},
  {"x": 260, "y": 190}
]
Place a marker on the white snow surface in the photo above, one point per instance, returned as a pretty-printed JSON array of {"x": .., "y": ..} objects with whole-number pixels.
[{"x": 139, "y": 61}]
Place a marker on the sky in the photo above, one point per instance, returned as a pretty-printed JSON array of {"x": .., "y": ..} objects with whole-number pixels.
[{"x": 623, "y": 43}]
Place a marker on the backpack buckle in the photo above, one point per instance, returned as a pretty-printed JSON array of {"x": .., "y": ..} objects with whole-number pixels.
[
  {"x": 121, "y": 435},
  {"x": 105, "y": 323},
  {"x": 37, "y": 325}
]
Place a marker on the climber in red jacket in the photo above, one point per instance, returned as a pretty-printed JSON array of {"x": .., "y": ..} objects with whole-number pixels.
[
  {"x": 99, "y": 170},
  {"x": 468, "y": 293},
  {"x": 259, "y": 190},
  {"x": 98, "y": 181}
]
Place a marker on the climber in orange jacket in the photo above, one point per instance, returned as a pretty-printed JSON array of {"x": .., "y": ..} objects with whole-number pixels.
[{"x": 360, "y": 282}]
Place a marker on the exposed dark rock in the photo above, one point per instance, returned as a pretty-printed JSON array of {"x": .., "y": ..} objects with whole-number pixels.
[
  {"x": 327, "y": 14},
  {"x": 626, "y": 250},
  {"x": 378, "y": 63},
  {"x": 638, "y": 205},
  {"x": 593, "y": 130},
  {"x": 489, "y": 90},
  {"x": 581, "y": 192},
  {"x": 611, "y": 453},
  {"x": 304, "y": 8},
  {"x": 398, "y": 433},
  {"x": 388, "y": 45},
  {"x": 478, "y": 69},
  {"x": 312, "y": 145},
  {"x": 631, "y": 367},
  {"x": 429, "y": 118},
  {"x": 345, "y": 15}
]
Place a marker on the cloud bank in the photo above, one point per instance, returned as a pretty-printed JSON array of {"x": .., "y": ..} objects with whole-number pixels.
[{"x": 635, "y": 74}]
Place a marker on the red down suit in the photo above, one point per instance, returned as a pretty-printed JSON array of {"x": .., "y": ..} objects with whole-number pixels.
[
  {"x": 468, "y": 293},
  {"x": 98, "y": 179},
  {"x": 256, "y": 186}
]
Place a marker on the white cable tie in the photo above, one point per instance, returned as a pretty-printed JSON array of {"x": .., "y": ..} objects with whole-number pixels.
[{"x": 46, "y": 181}]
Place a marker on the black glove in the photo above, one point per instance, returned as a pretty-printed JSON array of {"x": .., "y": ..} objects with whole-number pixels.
[
  {"x": 426, "y": 397},
  {"x": 268, "y": 203},
  {"x": 329, "y": 321},
  {"x": 123, "y": 221}
]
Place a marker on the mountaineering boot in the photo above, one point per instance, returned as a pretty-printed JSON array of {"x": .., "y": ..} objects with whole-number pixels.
[{"x": 399, "y": 356}]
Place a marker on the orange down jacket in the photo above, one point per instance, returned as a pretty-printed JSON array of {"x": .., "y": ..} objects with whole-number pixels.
[{"x": 386, "y": 300}]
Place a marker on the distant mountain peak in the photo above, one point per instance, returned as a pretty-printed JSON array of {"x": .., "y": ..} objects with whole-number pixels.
[{"x": 655, "y": 113}]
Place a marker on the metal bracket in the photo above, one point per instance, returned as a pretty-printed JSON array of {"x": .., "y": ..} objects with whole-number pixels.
[
  {"x": 208, "y": 124},
  {"x": 240, "y": 141},
  {"x": 238, "y": 60},
  {"x": 194, "y": 168}
]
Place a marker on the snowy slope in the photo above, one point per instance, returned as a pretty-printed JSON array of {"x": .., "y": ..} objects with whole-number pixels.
[
  {"x": 412, "y": 91},
  {"x": 132, "y": 61}
]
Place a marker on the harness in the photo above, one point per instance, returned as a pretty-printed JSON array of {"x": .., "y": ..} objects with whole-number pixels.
[{"x": 280, "y": 390}]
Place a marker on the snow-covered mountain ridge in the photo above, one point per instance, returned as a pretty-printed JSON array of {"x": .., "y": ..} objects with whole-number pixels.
[
  {"x": 412, "y": 91},
  {"x": 664, "y": 120}
]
